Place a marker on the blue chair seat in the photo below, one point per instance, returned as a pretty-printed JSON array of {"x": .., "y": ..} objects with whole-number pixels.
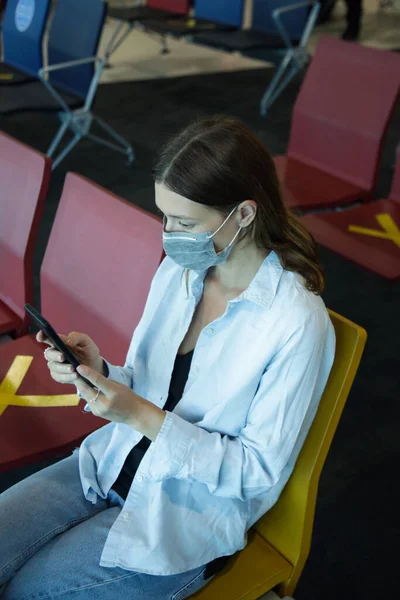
[
  {"x": 183, "y": 26},
  {"x": 209, "y": 15},
  {"x": 243, "y": 40},
  {"x": 137, "y": 13},
  {"x": 12, "y": 76},
  {"x": 33, "y": 97}
]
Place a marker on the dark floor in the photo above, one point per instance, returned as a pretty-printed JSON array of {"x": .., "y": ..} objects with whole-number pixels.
[{"x": 356, "y": 526}]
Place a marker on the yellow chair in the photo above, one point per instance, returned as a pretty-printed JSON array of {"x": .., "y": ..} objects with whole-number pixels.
[{"x": 279, "y": 543}]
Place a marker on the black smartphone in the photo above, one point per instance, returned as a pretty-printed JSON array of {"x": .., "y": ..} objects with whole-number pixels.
[{"x": 55, "y": 339}]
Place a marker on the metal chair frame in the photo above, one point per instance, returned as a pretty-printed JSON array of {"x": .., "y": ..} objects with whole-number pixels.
[
  {"x": 295, "y": 58},
  {"x": 79, "y": 121}
]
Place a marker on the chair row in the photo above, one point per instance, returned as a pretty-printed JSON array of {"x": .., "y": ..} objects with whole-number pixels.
[
  {"x": 338, "y": 126},
  {"x": 67, "y": 80},
  {"x": 332, "y": 161},
  {"x": 279, "y": 30},
  {"x": 331, "y": 169},
  {"x": 99, "y": 262},
  {"x": 339, "y": 120},
  {"x": 95, "y": 235},
  {"x": 25, "y": 176}
]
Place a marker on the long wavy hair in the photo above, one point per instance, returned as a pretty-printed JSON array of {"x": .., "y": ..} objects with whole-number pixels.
[{"x": 219, "y": 162}]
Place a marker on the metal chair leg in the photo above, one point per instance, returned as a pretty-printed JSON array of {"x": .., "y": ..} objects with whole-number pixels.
[
  {"x": 284, "y": 83},
  {"x": 77, "y": 137},
  {"x": 116, "y": 42},
  {"x": 126, "y": 147},
  {"x": 79, "y": 122},
  {"x": 164, "y": 45},
  {"x": 266, "y": 99},
  {"x": 59, "y": 135},
  {"x": 296, "y": 56}
]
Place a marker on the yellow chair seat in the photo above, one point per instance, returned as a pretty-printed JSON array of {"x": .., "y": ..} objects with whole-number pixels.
[{"x": 256, "y": 568}]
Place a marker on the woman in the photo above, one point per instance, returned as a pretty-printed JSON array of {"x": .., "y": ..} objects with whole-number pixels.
[{"x": 207, "y": 417}]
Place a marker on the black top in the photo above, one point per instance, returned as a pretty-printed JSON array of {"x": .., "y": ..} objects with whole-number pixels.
[{"x": 124, "y": 481}]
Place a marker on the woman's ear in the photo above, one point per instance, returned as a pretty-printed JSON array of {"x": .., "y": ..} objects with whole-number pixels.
[{"x": 247, "y": 213}]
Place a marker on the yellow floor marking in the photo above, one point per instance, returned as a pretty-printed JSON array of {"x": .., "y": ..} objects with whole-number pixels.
[
  {"x": 14, "y": 378},
  {"x": 390, "y": 230}
]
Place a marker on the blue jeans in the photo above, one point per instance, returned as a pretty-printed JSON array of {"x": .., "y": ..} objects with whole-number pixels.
[{"x": 51, "y": 540}]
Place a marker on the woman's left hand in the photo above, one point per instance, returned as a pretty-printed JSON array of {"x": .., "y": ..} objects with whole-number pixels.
[{"x": 115, "y": 402}]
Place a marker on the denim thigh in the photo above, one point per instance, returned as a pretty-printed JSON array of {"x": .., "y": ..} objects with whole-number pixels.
[
  {"x": 38, "y": 508},
  {"x": 68, "y": 568},
  {"x": 51, "y": 540}
]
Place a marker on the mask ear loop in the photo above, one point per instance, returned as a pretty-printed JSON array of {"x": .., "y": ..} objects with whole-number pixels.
[
  {"x": 229, "y": 245},
  {"x": 222, "y": 224},
  {"x": 237, "y": 233}
]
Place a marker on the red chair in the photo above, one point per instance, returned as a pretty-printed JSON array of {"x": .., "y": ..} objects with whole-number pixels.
[
  {"x": 24, "y": 181},
  {"x": 339, "y": 122},
  {"x": 368, "y": 235},
  {"x": 153, "y": 9},
  {"x": 95, "y": 278}
]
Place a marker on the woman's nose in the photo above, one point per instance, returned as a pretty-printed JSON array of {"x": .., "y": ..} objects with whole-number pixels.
[
  {"x": 169, "y": 227},
  {"x": 166, "y": 227}
]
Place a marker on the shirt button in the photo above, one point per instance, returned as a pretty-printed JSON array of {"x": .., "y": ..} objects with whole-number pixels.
[
  {"x": 139, "y": 478},
  {"x": 126, "y": 516},
  {"x": 211, "y": 330}
]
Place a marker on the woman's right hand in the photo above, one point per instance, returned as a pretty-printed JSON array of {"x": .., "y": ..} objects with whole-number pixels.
[{"x": 84, "y": 349}]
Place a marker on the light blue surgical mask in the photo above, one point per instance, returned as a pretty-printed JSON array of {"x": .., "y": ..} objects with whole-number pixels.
[{"x": 196, "y": 251}]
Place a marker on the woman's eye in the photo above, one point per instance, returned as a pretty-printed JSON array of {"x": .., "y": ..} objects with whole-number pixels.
[{"x": 185, "y": 225}]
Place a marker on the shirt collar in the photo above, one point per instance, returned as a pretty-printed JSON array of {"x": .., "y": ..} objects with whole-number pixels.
[{"x": 263, "y": 287}]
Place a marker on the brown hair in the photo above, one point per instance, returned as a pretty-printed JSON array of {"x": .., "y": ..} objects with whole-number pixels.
[{"x": 219, "y": 162}]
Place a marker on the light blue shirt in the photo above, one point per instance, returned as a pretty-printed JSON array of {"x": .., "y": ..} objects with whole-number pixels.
[{"x": 223, "y": 456}]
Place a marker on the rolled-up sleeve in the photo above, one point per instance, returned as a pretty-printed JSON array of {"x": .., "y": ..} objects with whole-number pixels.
[
  {"x": 245, "y": 466},
  {"x": 122, "y": 375}
]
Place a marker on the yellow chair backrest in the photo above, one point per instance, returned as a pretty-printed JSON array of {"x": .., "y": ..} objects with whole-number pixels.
[{"x": 288, "y": 525}]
